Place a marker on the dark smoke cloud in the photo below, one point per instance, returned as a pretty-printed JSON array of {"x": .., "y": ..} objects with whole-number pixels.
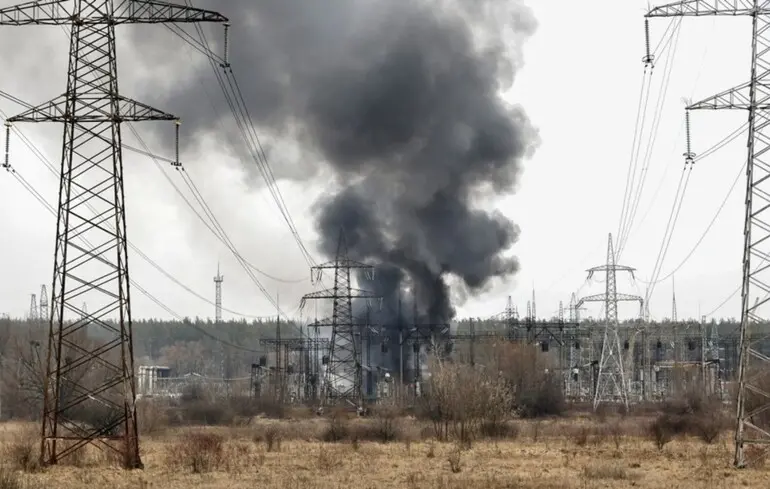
[{"x": 400, "y": 100}]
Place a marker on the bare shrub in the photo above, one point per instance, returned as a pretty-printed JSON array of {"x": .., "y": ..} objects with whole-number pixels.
[
  {"x": 458, "y": 398},
  {"x": 328, "y": 460},
  {"x": 662, "y": 431},
  {"x": 10, "y": 480},
  {"x": 151, "y": 417},
  {"x": 536, "y": 430},
  {"x": 708, "y": 426},
  {"x": 273, "y": 437},
  {"x": 384, "y": 428},
  {"x": 534, "y": 388},
  {"x": 615, "y": 430},
  {"x": 23, "y": 451},
  {"x": 431, "y": 450},
  {"x": 580, "y": 435},
  {"x": 455, "y": 460},
  {"x": 201, "y": 452},
  {"x": 337, "y": 429}
]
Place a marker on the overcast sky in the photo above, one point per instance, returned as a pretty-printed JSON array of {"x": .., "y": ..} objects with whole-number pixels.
[{"x": 579, "y": 84}]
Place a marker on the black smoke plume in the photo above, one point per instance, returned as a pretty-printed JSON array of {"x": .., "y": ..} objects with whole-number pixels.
[{"x": 400, "y": 99}]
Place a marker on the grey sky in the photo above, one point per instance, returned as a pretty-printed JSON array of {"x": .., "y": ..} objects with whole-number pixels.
[{"x": 579, "y": 85}]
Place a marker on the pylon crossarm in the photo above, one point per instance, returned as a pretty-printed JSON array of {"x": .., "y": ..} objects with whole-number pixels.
[
  {"x": 698, "y": 8},
  {"x": 128, "y": 111},
  {"x": 51, "y": 111},
  {"x": 629, "y": 297},
  {"x": 617, "y": 268},
  {"x": 41, "y": 13},
  {"x": 735, "y": 98},
  {"x": 153, "y": 11}
]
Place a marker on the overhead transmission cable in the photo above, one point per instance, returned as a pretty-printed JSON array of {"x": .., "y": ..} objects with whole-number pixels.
[
  {"x": 710, "y": 225},
  {"x": 234, "y": 98},
  {"x": 147, "y": 152},
  {"x": 632, "y": 192},
  {"x": 652, "y": 138},
  {"x": 31, "y": 189},
  {"x": 674, "y": 147},
  {"x": 43, "y": 159}
]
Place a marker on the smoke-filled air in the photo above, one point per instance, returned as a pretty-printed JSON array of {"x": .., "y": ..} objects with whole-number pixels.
[{"x": 401, "y": 102}]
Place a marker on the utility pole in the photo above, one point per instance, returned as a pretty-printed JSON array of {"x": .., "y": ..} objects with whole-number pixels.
[
  {"x": 611, "y": 383},
  {"x": 95, "y": 266},
  {"x": 754, "y": 97},
  {"x": 218, "y": 279},
  {"x": 343, "y": 377}
]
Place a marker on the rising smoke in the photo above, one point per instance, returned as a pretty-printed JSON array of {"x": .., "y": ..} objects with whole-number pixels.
[{"x": 400, "y": 99}]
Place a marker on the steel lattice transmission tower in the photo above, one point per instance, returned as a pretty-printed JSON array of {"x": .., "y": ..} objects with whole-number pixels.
[
  {"x": 44, "y": 304},
  {"x": 218, "y": 279},
  {"x": 753, "y": 97},
  {"x": 343, "y": 379},
  {"x": 611, "y": 385},
  {"x": 91, "y": 260},
  {"x": 33, "y": 311}
]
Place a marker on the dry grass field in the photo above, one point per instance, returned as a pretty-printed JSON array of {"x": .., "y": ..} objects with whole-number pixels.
[{"x": 553, "y": 454}]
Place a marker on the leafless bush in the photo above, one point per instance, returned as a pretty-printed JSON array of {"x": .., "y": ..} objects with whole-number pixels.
[
  {"x": 455, "y": 460},
  {"x": 337, "y": 429},
  {"x": 386, "y": 425},
  {"x": 201, "y": 452},
  {"x": 23, "y": 451},
  {"x": 328, "y": 460},
  {"x": 459, "y": 398},
  {"x": 615, "y": 430},
  {"x": 431, "y": 450},
  {"x": 10, "y": 480},
  {"x": 580, "y": 435},
  {"x": 152, "y": 417},
  {"x": 273, "y": 438},
  {"x": 663, "y": 429},
  {"x": 534, "y": 389},
  {"x": 708, "y": 426}
]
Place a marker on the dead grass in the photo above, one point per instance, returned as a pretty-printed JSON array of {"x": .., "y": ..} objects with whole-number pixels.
[{"x": 229, "y": 458}]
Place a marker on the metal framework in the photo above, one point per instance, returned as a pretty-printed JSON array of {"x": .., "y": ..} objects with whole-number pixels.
[
  {"x": 753, "y": 96},
  {"x": 43, "y": 303},
  {"x": 611, "y": 385},
  {"x": 218, "y": 279},
  {"x": 33, "y": 311},
  {"x": 91, "y": 260},
  {"x": 343, "y": 376}
]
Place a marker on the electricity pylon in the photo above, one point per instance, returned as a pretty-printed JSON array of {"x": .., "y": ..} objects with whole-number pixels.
[
  {"x": 218, "y": 279},
  {"x": 43, "y": 304},
  {"x": 753, "y": 97},
  {"x": 33, "y": 311},
  {"x": 611, "y": 383},
  {"x": 90, "y": 258},
  {"x": 343, "y": 379}
]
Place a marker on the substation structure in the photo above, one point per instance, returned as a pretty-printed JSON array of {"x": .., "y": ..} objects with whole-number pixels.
[
  {"x": 659, "y": 361},
  {"x": 601, "y": 361}
]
